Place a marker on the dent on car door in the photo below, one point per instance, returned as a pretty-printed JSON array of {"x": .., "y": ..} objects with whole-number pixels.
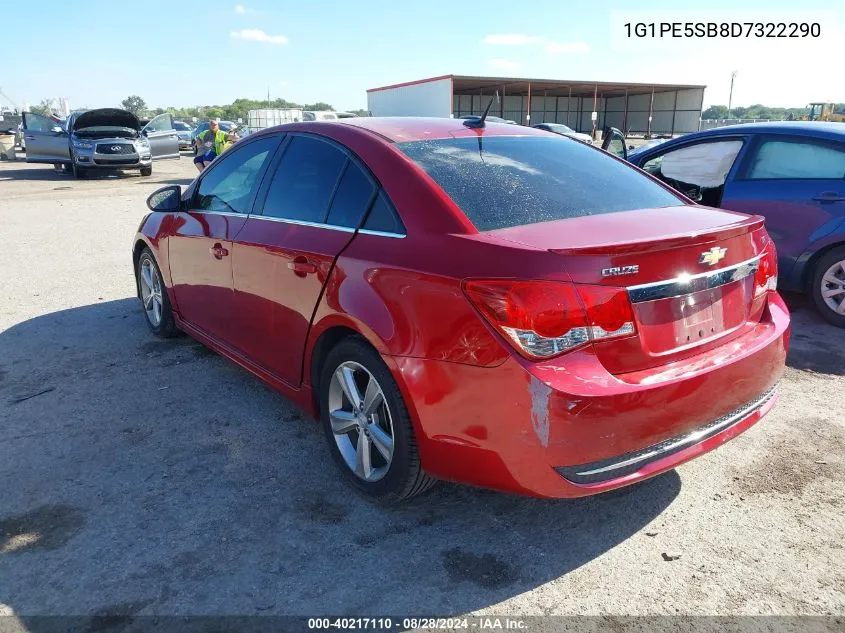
[
  {"x": 163, "y": 138},
  {"x": 46, "y": 140},
  {"x": 310, "y": 208}
]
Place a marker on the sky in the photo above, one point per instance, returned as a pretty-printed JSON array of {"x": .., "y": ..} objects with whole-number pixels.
[{"x": 188, "y": 53}]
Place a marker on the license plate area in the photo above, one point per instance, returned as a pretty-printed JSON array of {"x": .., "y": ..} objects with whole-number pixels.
[{"x": 675, "y": 323}]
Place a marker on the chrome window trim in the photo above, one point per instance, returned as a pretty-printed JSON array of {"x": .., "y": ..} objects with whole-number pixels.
[
  {"x": 317, "y": 225},
  {"x": 686, "y": 284},
  {"x": 210, "y": 212},
  {"x": 398, "y": 236},
  {"x": 331, "y": 227}
]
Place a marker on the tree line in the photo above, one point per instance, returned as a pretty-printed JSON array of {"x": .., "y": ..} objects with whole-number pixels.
[
  {"x": 238, "y": 109},
  {"x": 759, "y": 111}
]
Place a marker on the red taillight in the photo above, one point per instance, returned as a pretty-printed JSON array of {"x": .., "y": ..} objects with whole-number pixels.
[
  {"x": 546, "y": 318},
  {"x": 766, "y": 277}
]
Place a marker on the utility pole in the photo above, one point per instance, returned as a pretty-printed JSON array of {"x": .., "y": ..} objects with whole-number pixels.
[
  {"x": 731, "y": 94},
  {"x": 268, "y": 96}
]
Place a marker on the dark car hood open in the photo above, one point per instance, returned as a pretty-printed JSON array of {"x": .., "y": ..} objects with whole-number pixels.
[{"x": 107, "y": 117}]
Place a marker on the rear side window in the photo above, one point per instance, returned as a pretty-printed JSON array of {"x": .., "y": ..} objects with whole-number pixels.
[
  {"x": 304, "y": 181},
  {"x": 383, "y": 218},
  {"x": 797, "y": 160},
  {"x": 352, "y": 197},
  {"x": 505, "y": 181}
]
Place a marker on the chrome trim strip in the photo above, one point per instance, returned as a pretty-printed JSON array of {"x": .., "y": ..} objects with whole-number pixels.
[
  {"x": 686, "y": 284},
  {"x": 331, "y": 227},
  {"x": 398, "y": 236},
  {"x": 206, "y": 212},
  {"x": 664, "y": 448},
  {"x": 318, "y": 225}
]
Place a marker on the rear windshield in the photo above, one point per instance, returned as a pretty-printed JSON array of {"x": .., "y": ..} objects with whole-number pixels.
[{"x": 505, "y": 181}]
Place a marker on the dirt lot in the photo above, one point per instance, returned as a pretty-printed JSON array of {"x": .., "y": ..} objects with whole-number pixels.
[{"x": 150, "y": 477}]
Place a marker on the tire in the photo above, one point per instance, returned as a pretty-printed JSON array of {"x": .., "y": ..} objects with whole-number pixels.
[
  {"x": 159, "y": 318},
  {"x": 393, "y": 481},
  {"x": 829, "y": 279},
  {"x": 147, "y": 171},
  {"x": 76, "y": 170}
]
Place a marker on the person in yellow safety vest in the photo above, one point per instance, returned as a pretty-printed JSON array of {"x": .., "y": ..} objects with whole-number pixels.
[{"x": 212, "y": 143}]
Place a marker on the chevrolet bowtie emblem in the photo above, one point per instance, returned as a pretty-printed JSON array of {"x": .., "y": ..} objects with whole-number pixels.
[{"x": 713, "y": 256}]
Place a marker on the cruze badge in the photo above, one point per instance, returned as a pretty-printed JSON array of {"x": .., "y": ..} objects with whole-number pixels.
[
  {"x": 620, "y": 270},
  {"x": 713, "y": 256}
]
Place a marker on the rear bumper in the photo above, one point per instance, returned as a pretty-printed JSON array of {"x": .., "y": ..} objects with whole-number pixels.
[{"x": 544, "y": 429}]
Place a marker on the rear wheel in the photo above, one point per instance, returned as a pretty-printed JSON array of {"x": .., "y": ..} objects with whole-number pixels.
[
  {"x": 154, "y": 298},
  {"x": 147, "y": 171},
  {"x": 367, "y": 425},
  {"x": 828, "y": 286}
]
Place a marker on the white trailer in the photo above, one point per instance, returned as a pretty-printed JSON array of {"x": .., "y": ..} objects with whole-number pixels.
[
  {"x": 268, "y": 117},
  {"x": 428, "y": 97}
]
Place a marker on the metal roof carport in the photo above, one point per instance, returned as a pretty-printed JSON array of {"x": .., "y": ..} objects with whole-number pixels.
[{"x": 636, "y": 108}]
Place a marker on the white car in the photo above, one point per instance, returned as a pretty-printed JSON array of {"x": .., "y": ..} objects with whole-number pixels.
[{"x": 565, "y": 130}]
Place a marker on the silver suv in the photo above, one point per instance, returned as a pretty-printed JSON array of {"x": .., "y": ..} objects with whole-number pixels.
[{"x": 107, "y": 138}]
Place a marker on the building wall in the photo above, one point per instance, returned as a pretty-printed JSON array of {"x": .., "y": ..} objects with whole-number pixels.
[
  {"x": 431, "y": 98},
  {"x": 675, "y": 111}
]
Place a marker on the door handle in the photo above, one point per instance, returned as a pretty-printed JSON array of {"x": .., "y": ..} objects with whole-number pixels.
[
  {"x": 829, "y": 196},
  {"x": 29, "y": 138},
  {"x": 218, "y": 251},
  {"x": 301, "y": 267}
]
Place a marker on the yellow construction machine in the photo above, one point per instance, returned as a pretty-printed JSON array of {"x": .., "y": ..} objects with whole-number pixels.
[{"x": 822, "y": 112}]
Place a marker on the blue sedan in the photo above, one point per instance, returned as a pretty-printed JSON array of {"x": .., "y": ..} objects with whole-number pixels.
[{"x": 791, "y": 173}]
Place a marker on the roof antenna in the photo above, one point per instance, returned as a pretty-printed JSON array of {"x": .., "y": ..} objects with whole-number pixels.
[{"x": 478, "y": 122}]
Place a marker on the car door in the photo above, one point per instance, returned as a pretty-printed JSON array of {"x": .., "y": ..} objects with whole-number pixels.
[
  {"x": 699, "y": 168},
  {"x": 200, "y": 243},
  {"x": 614, "y": 143},
  {"x": 306, "y": 215},
  {"x": 46, "y": 141},
  {"x": 798, "y": 184},
  {"x": 163, "y": 138}
]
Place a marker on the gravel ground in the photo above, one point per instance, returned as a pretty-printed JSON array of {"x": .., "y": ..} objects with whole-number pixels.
[{"x": 146, "y": 477}]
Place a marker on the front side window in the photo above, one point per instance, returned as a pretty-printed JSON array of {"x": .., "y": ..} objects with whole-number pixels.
[
  {"x": 699, "y": 171},
  {"x": 797, "y": 160},
  {"x": 161, "y": 123},
  {"x": 39, "y": 123},
  {"x": 229, "y": 185},
  {"x": 505, "y": 181},
  {"x": 304, "y": 181}
]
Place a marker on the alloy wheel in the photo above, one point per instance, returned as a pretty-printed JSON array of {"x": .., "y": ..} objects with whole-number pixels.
[
  {"x": 361, "y": 421},
  {"x": 833, "y": 287},
  {"x": 151, "y": 291}
]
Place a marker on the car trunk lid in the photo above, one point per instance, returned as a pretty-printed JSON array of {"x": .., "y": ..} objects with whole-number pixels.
[{"x": 689, "y": 274}]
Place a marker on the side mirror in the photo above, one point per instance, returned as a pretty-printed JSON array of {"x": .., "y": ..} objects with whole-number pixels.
[{"x": 166, "y": 199}]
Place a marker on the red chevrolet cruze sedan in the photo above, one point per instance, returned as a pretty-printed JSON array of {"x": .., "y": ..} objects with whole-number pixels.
[{"x": 494, "y": 305}]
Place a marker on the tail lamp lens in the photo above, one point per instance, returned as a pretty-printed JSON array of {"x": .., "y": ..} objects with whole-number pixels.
[
  {"x": 766, "y": 277},
  {"x": 547, "y": 318}
]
